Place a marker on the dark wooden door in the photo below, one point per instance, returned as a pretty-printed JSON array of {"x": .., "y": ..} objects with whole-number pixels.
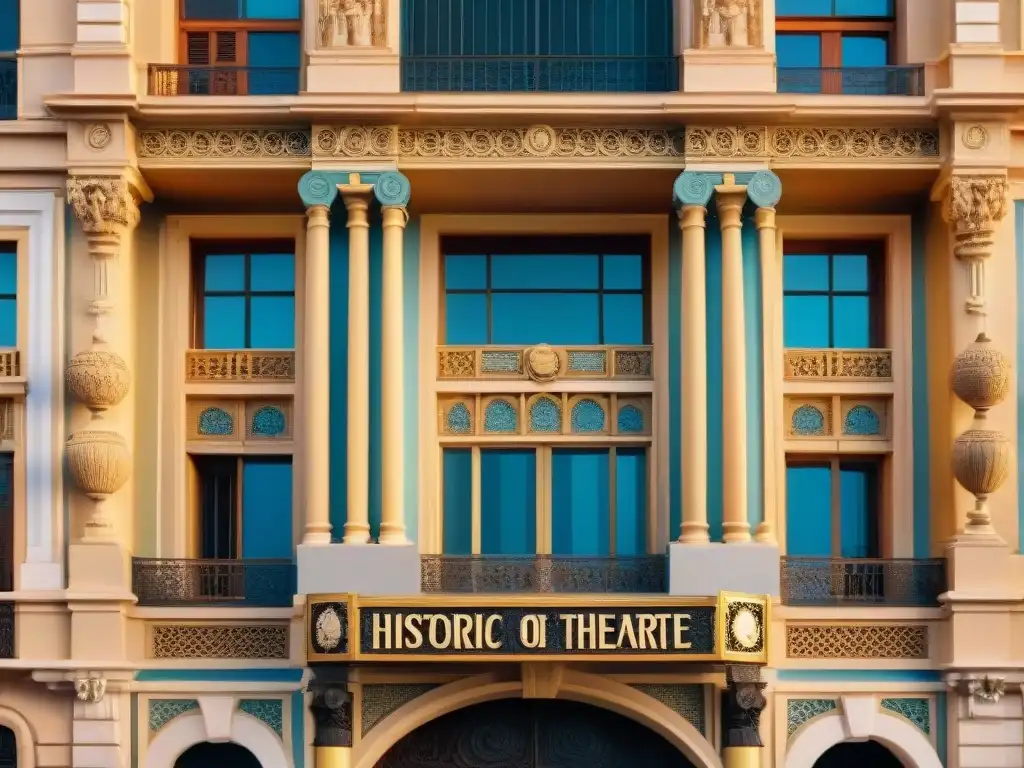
[{"x": 6, "y": 522}]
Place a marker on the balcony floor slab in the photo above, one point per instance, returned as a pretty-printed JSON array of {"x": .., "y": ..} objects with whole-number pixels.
[
  {"x": 365, "y": 569},
  {"x": 706, "y": 569}
]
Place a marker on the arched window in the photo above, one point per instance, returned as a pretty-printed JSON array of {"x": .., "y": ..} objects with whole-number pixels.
[
  {"x": 857, "y": 754},
  {"x": 8, "y": 748},
  {"x": 207, "y": 754}
]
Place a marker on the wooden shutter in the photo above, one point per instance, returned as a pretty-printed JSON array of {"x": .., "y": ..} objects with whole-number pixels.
[{"x": 210, "y": 51}]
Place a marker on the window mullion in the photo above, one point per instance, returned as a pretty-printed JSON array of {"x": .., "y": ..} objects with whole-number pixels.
[
  {"x": 837, "y": 512},
  {"x": 476, "y": 529},
  {"x": 612, "y": 497}
]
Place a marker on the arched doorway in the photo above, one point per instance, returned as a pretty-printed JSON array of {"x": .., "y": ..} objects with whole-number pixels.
[
  {"x": 217, "y": 755},
  {"x": 8, "y": 748},
  {"x": 857, "y": 754},
  {"x": 519, "y": 733}
]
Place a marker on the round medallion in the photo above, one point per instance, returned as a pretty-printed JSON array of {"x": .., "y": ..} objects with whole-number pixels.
[
  {"x": 975, "y": 137},
  {"x": 98, "y": 136},
  {"x": 540, "y": 139},
  {"x": 745, "y": 630},
  {"x": 328, "y": 630},
  {"x": 542, "y": 363}
]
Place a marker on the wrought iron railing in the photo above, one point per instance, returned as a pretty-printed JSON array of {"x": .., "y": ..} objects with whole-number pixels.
[
  {"x": 252, "y": 583},
  {"x": 549, "y": 74},
  {"x": 175, "y": 80},
  {"x": 8, "y": 89},
  {"x": 826, "y": 581},
  {"x": 6, "y": 630},
  {"x": 853, "y": 81},
  {"x": 544, "y": 573}
]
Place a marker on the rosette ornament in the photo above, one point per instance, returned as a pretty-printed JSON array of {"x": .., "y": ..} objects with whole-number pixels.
[
  {"x": 101, "y": 464},
  {"x": 99, "y": 379}
]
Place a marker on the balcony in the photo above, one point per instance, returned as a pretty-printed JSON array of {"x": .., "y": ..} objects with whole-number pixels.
[
  {"x": 853, "y": 81},
  {"x": 8, "y": 89},
  {"x": 175, "y": 80},
  {"x": 214, "y": 583},
  {"x": 7, "y": 631},
  {"x": 544, "y": 574},
  {"x": 810, "y": 581}
]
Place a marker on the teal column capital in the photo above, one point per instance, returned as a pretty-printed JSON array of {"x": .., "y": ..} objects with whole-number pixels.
[
  {"x": 694, "y": 188},
  {"x": 392, "y": 189},
  {"x": 319, "y": 188},
  {"x": 764, "y": 189}
]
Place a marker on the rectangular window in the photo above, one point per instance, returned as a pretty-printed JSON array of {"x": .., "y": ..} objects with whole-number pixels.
[
  {"x": 244, "y": 295},
  {"x": 6, "y": 522},
  {"x": 239, "y": 47},
  {"x": 8, "y": 294},
  {"x": 565, "y": 290},
  {"x": 832, "y": 295},
  {"x": 592, "y": 504},
  {"x": 878, "y": 9},
  {"x": 10, "y": 26}
]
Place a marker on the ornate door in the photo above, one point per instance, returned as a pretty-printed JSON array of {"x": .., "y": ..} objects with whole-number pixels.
[{"x": 517, "y": 733}]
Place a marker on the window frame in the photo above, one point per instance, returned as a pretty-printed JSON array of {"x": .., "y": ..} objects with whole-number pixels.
[
  {"x": 201, "y": 249},
  {"x": 877, "y": 517},
  {"x": 875, "y": 250},
  {"x": 548, "y": 245}
]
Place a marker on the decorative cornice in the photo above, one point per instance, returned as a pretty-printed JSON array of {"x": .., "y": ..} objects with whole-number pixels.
[
  {"x": 540, "y": 144},
  {"x": 104, "y": 204}
]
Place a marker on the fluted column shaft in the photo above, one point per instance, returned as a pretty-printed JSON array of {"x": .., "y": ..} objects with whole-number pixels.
[
  {"x": 692, "y": 220},
  {"x": 392, "y": 525},
  {"x": 730, "y": 199},
  {"x": 357, "y": 522},
  {"x": 316, "y": 377}
]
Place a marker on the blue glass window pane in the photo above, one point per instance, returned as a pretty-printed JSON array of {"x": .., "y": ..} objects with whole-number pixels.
[
  {"x": 561, "y": 271},
  {"x": 508, "y": 502},
  {"x": 225, "y": 273},
  {"x": 271, "y": 9},
  {"x": 850, "y": 273},
  {"x": 9, "y": 273},
  {"x": 465, "y": 318},
  {"x": 878, "y": 8},
  {"x": 805, "y": 273},
  {"x": 803, "y": 7},
  {"x": 580, "y": 509},
  {"x": 808, "y": 511},
  {"x": 274, "y": 59},
  {"x": 212, "y": 9},
  {"x": 631, "y": 501},
  {"x": 805, "y": 321},
  {"x": 857, "y": 489},
  {"x": 865, "y": 51},
  {"x": 267, "y": 508},
  {"x": 273, "y": 322},
  {"x": 465, "y": 272},
  {"x": 851, "y": 322},
  {"x": 458, "y": 501},
  {"x": 623, "y": 273},
  {"x": 554, "y": 318},
  {"x": 623, "y": 318},
  {"x": 798, "y": 50},
  {"x": 272, "y": 272},
  {"x": 224, "y": 322},
  {"x": 8, "y": 323},
  {"x": 9, "y": 25}
]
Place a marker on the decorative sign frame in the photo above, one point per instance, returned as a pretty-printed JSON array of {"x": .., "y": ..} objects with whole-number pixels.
[{"x": 344, "y": 628}]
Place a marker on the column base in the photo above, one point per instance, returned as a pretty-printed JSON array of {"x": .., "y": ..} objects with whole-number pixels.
[
  {"x": 101, "y": 567},
  {"x": 332, "y": 757},
  {"x": 365, "y": 569},
  {"x": 734, "y": 757},
  {"x": 44, "y": 577},
  {"x": 353, "y": 70},
  {"x": 699, "y": 570},
  {"x": 750, "y": 70}
]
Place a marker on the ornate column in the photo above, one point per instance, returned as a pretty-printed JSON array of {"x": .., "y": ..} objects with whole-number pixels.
[
  {"x": 392, "y": 191},
  {"x": 356, "y": 195},
  {"x": 743, "y": 700},
  {"x": 331, "y": 707},
  {"x": 316, "y": 376},
  {"x": 982, "y": 457},
  {"x": 98, "y": 456},
  {"x": 730, "y": 200},
  {"x": 691, "y": 193}
]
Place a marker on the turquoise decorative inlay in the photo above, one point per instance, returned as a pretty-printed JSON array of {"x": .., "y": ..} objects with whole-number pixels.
[
  {"x": 500, "y": 361},
  {"x": 685, "y": 699},
  {"x": 917, "y": 711},
  {"x": 587, "y": 416},
  {"x": 268, "y": 421},
  {"x": 631, "y": 420},
  {"x": 587, "y": 362},
  {"x": 216, "y": 422},
  {"x": 808, "y": 420},
  {"x": 459, "y": 421},
  {"x": 861, "y": 420},
  {"x": 545, "y": 415},
  {"x": 162, "y": 711},
  {"x": 500, "y": 416},
  {"x": 799, "y": 711},
  {"x": 270, "y": 711}
]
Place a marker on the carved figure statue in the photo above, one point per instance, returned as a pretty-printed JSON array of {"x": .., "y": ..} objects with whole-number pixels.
[
  {"x": 728, "y": 23},
  {"x": 351, "y": 23}
]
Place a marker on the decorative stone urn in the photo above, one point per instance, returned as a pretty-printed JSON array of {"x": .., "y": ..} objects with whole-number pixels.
[
  {"x": 981, "y": 375},
  {"x": 100, "y": 462},
  {"x": 98, "y": 379},
  {"x": 981, "y": 460}
]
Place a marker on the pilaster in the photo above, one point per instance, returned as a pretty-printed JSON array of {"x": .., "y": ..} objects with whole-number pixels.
[
  {"x": 353, "y": 49},
  {"x": 732, "y": 47},
  {"x": 976, "y": 61},
  {"x": 102, "y": 50}
]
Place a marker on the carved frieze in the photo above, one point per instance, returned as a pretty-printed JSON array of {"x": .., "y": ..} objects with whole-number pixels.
[
  {"x": 351, "y": 23},
  {"x": 730, "y": 23},
  {"x": 783, "y": 143},
  {"x": 222, "y": 144}
]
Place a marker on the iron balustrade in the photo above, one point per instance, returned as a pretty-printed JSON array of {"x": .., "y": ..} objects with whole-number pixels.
[
  {"x": 814, "y": 581},
  {"x": 853, "y": 81},
  {"x": 252, "y": 583},
  {"x": 543, "y": 574},
  {"x": 8, "y": 89},
  {"x": 180, "y": 80},
  {"x": 7, "y": 631}
]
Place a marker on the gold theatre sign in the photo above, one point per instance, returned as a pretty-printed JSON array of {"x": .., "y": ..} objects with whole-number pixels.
[{"x": 344, "y": 628}]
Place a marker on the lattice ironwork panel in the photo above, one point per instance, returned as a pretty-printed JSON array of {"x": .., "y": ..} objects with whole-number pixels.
[
  {"x": 685, "y": 700},
  {"x": 379, "y": 701},
  {"x": 212, "y": 641},
  {"x": 857, "y": 641}
]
